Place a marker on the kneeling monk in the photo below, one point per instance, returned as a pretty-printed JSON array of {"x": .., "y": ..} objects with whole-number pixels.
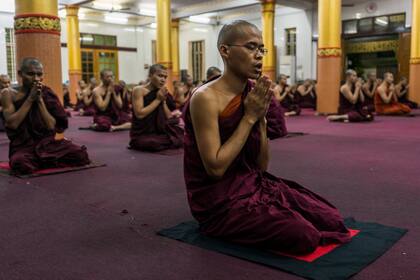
[
  {"x": 352, "y": 101},
  {"x": 33, "y": 116},
  {"x": 386, "y": 99},
  {"x": 226, "y": 158},
  {"x": 107, "y": 98},
  {"x": 155, "y": 124}
]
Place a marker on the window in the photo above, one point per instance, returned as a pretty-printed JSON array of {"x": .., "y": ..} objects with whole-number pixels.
[
  {"x": 87, "y": 39},
  {"x": 291, "y": 41},
  {"x": 87, "y": 65},
  {"x": 197, "y": 60},
  {"x": 394, "y": 23},
  {"x": 11, "y": 54}
]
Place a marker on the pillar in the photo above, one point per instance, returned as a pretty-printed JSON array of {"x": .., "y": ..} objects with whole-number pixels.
[
  {"x": 414, "y": 92},
  {"x": 163, "y": 38},
  {"x": 175, "y": 49},
  {"x": 329, "y": 55},
  {"x": 73, "y": 47},
  {"x": 37, "y": 34},
  {"x": 269, "y": 61}
]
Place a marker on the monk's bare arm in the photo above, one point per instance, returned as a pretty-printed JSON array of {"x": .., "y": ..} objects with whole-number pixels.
[
  {"x": 46, "y": 116},
  {"x": 302, "y": 91},
  {"x": 87, "y": 96},
  {"x": 400, "y": 93},
  {"x": 386, "y": 98},
  {"x": 264, "y": 156},
  {"x": 100, "y": 102},
  {"x": 117, "y": 99},
  {"x": 216, "y": 157},
  {"x": 138, "y": 103},
  {"x": 79, "y": 95},
  {"x": 352, "y": 98},
  {"x": 168, "y": 113},
  {"x": 14, "y": 118}
]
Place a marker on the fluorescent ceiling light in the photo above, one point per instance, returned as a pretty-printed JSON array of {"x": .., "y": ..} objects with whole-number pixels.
[
  {"x": 200, "y": 30},
  {"x": 91, "y": 24},
  {"x": 199, "y": 19},
  {"x": 358, "y": 15},
  {"x": 153, "y": 25},
  {"x": 381, "y": 22},
  {"x": 86, "y": 39},
  {"x": 115, "y": 19},
  {"x": 130, "y": 29},
  {"x": 148, "y": 12},
  {"x": 106, "y": 6}
]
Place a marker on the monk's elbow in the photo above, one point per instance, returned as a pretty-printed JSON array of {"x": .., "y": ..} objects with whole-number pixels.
[
  {"x": 215, "y": 173},
  {"x": 11, "y": 125}
]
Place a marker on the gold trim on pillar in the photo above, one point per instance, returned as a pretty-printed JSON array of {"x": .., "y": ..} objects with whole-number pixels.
[
  {"x": 329, "y": 52},
  {"x": 415, "y": 60},
  {"x": 37, "y": 23}
]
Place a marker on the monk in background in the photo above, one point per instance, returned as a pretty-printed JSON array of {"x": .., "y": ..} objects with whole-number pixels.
[
  {"x": 107, "y": 98},
  {"x": 230, "y": 193},
  {"x": 33, "y": 116},
  {"x": 89, "y": 108},
  {"x": 401, "y": 90},
  {"x": 386, "y": 99},
  {"x": 79, "y": 96},
  {"x": 369, "y": 89},
  {"x": 212, "y": 72},
  {"x": 306, "y": 95},
  {"x": 126, "y": 98},
  {"x": 352, "y": 100},
  {"x": 183, "y": 92},
  {"x": 155, "y": 124},
  {"x": 282, "y": 92},
  {"x": 4, "y": 83}
]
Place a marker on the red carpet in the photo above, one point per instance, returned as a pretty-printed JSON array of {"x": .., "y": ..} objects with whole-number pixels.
[{"x": 70, "y": 226}]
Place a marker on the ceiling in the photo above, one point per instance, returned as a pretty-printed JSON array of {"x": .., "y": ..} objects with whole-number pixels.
[{"x": 142, "y": 12}]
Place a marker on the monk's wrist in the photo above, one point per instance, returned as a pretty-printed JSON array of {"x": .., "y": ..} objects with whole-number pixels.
[{"x": 250, "y": 120}]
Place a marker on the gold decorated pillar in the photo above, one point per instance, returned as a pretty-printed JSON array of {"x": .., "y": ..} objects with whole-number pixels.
[
  {"x": 414, "y": 92},
  {"x": 175, "y": 49},
  {"x": 269, "y": 61},
  {"x": 329, "y": 55},
  {"x": 163, "y": 38},
  {"x": 37, "y": 34},
  {"x": 73, "y": 46}
]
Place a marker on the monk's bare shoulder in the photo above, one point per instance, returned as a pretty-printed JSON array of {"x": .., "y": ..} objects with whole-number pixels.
[
  {"x": 204, "y": 98},
  {"x": 140, "y": 90}
]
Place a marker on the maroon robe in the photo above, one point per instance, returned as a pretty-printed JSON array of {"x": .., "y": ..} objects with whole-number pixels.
[
  {"x": 155, "y": 132},
  {"x": 1, "y": 122},
  {"x": 369, "y": 103},
  {"x": 250, "y": 206},
  {"x": 32, "y": 145},
  {"x": 404, "y": 100},
  {"x": 307, "y": 101},
  {"x": 355, "y": 112},
  {"x": 276, "y": 124},
  {"x": 112, "y": 115}
]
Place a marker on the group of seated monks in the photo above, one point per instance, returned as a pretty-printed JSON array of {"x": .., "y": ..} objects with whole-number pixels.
[
  {"x": 227, "y": 122},
  {"x": 293, "y": 98},
  {"x": 359, "y": 100}
]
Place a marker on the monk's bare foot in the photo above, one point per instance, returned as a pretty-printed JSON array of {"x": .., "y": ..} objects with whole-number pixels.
[
  {"x": 93, "y": 126},
  {"x": 81, "y": 112},
  {"x": 112, "y": 129}
]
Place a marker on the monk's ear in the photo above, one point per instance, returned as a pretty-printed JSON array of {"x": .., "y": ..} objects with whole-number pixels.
[{"x": 224, "y": 51}]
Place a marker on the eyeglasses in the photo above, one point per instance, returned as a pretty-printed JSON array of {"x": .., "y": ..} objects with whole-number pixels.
[{"x": 252, "y": 48}]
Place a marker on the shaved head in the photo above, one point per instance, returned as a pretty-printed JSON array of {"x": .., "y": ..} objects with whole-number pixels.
[
  {"x": 27, "y": 62},
  {"x": 231, "y": 32}
]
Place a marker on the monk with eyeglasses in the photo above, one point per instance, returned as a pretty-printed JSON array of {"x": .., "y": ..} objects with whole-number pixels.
[{"x": 226, "y": 158}]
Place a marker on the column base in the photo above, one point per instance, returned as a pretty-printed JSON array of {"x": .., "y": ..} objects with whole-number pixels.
[
  {"x": 414, "y": 92},
  {"x": 328, "y": 87},
  {"x": 74, "y": 77}
]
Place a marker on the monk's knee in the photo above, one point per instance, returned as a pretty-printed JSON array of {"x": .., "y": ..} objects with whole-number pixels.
[
  {"x": 22, "y": 164},
  {"x": 301, "y": 238}
]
